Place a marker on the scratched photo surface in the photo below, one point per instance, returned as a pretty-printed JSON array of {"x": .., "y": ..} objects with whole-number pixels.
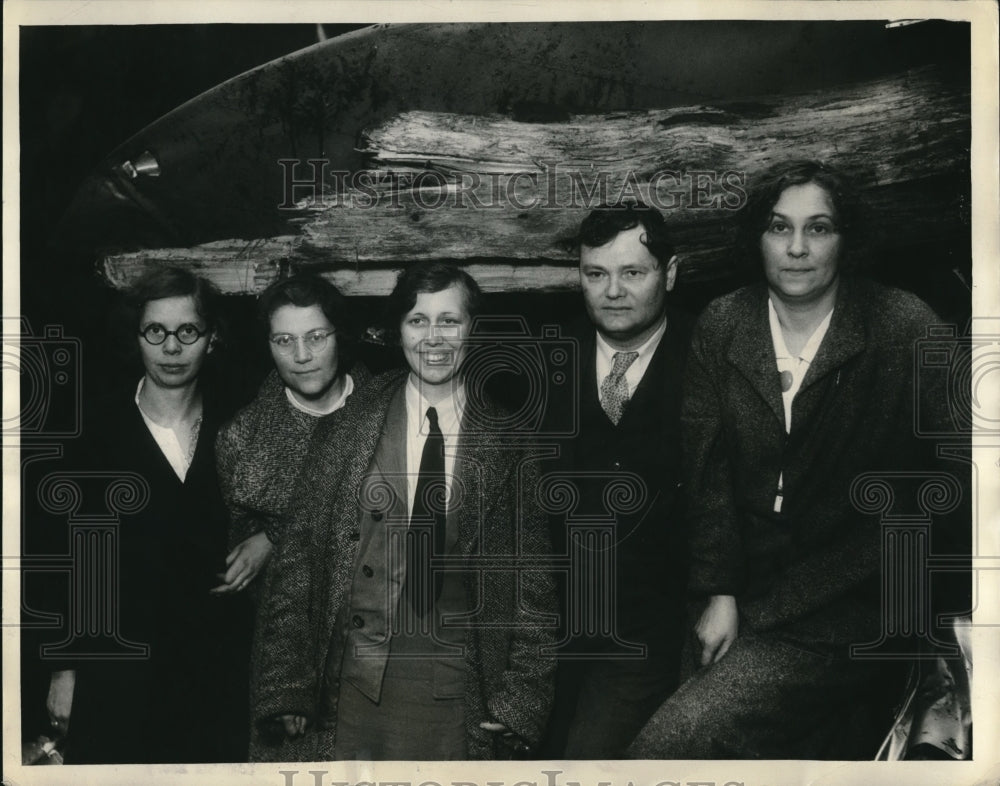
[{"x": 233, "y": 575}]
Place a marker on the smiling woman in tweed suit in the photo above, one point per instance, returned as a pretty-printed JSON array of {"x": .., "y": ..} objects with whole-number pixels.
[{"x": 363, "y": 652}]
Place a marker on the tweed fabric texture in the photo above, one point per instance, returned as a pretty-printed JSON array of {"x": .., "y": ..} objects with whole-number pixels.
[
  {"x": 507, "y": 675},
  {"x": 814, "y": 567},
  {"x": 807, "y": 579},
  {"x": 258, "y": 454}
]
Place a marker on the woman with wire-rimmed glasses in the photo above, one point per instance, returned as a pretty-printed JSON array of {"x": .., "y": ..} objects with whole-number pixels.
[
  {"x": 260, "y": 452},
  {"x": 185, "y": 699}
]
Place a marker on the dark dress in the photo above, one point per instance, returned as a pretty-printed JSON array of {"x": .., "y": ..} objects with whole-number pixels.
[{"x": 186, "y": 700}]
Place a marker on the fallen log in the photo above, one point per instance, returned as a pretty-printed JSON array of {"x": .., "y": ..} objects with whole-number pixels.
[{"x": 504, "y": 195}]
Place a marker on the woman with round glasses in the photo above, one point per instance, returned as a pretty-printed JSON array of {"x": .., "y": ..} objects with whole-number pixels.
[
  {"x": 260, "y": 452},
  {"x": 185, "y": 700}
]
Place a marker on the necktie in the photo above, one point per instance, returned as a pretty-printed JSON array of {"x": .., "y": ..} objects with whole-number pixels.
[
  {"x": 614, "y": 388},
  {"x": 427, "y": 521}
]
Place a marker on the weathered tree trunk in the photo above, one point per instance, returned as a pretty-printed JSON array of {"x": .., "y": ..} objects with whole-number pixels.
[{"x": 503, "y": 196}]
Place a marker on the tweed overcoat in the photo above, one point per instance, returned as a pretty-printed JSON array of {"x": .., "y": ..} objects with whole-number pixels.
[
  {"x": 259, "y": 453},
  {"x": 812, "y": 570},
  {"x": 508, "y": 676}
]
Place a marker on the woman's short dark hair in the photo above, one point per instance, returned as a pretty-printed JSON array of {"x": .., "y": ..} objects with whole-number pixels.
[
  {"x": 304, "y": 290},
  {"x": 767, "y": 189},
  {"x": 157, "y": 283},
  {"x": 167, "y": 281},
  {"x": 606, "y": 221},
  {"x": 427, "y": 277}
]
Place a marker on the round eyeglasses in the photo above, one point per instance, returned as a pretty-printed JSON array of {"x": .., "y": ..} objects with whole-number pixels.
[
  {"x": 314, "y": 340},
  {"x": 187, "y": 333}
]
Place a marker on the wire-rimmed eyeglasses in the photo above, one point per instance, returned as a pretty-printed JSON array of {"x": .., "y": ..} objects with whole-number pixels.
[
  {"x": 187, "y": 333},
  {"x": 314, "y": 340}
]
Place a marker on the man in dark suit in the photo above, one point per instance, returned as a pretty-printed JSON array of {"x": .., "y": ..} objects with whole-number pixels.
[{"x": 623, "y": 607}]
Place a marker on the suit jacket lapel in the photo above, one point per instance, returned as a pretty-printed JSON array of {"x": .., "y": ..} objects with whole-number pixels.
[
  {"x": 366, "y": 419},
  {"x": 844, "y": 339},
  {"x": 474, "y": 462},
  {"x": 655, "y": 384},
  {"x": 752, "y": 353},
  {"x": 389, "y": 459}
]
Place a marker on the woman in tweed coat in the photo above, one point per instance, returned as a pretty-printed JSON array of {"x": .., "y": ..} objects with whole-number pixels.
[
  {"x": 795, "y": 388},
  {"x": 336, "y": 668},
  {"x": 260, "y": 451}
]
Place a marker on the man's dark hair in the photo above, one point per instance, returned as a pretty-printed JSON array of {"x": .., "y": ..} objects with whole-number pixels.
[
  {"x": 767, "y": 189},
  {"x": 427, "y": 277},
  {"x": 606, "y": 221}
]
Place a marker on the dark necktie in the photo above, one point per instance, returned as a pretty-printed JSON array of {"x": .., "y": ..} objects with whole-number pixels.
[{"x": 427, "y": 521}]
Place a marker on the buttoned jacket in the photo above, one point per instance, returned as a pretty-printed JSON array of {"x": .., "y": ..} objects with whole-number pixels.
[
  {"x": 365, "y": 625},
  {"x": 630, "y": 474}
]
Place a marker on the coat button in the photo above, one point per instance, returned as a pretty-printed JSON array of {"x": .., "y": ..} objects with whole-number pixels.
[
  {"x": 357, "y": 622},
  {"x": 617, "y": 465},
  {"x": 355, "y": 536},
  {"x": 377, "y": 515},
  {"x": 366, "y": 569}
]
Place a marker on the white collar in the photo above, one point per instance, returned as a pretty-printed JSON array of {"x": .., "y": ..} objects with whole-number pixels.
[
  {"x": 449, "y": 409},
  {"x": 334, "y": 406},
  {"x": 645, "y": 350},
  {"x": 809, "y": 349}
]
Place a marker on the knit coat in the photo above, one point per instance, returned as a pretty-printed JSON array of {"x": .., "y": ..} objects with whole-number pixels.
[
  {"x": 508, "y": 676},
  {"x": 258, "y": 454}
]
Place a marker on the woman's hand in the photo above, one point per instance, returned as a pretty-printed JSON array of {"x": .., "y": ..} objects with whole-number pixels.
[
  {"x": 717, "y": 628},
  {"x": 60, "y": 699},
  {"x": 507, "y": 737},
  {"x": 244, "y": 563},
  {"x": 295, "y": 725}
]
